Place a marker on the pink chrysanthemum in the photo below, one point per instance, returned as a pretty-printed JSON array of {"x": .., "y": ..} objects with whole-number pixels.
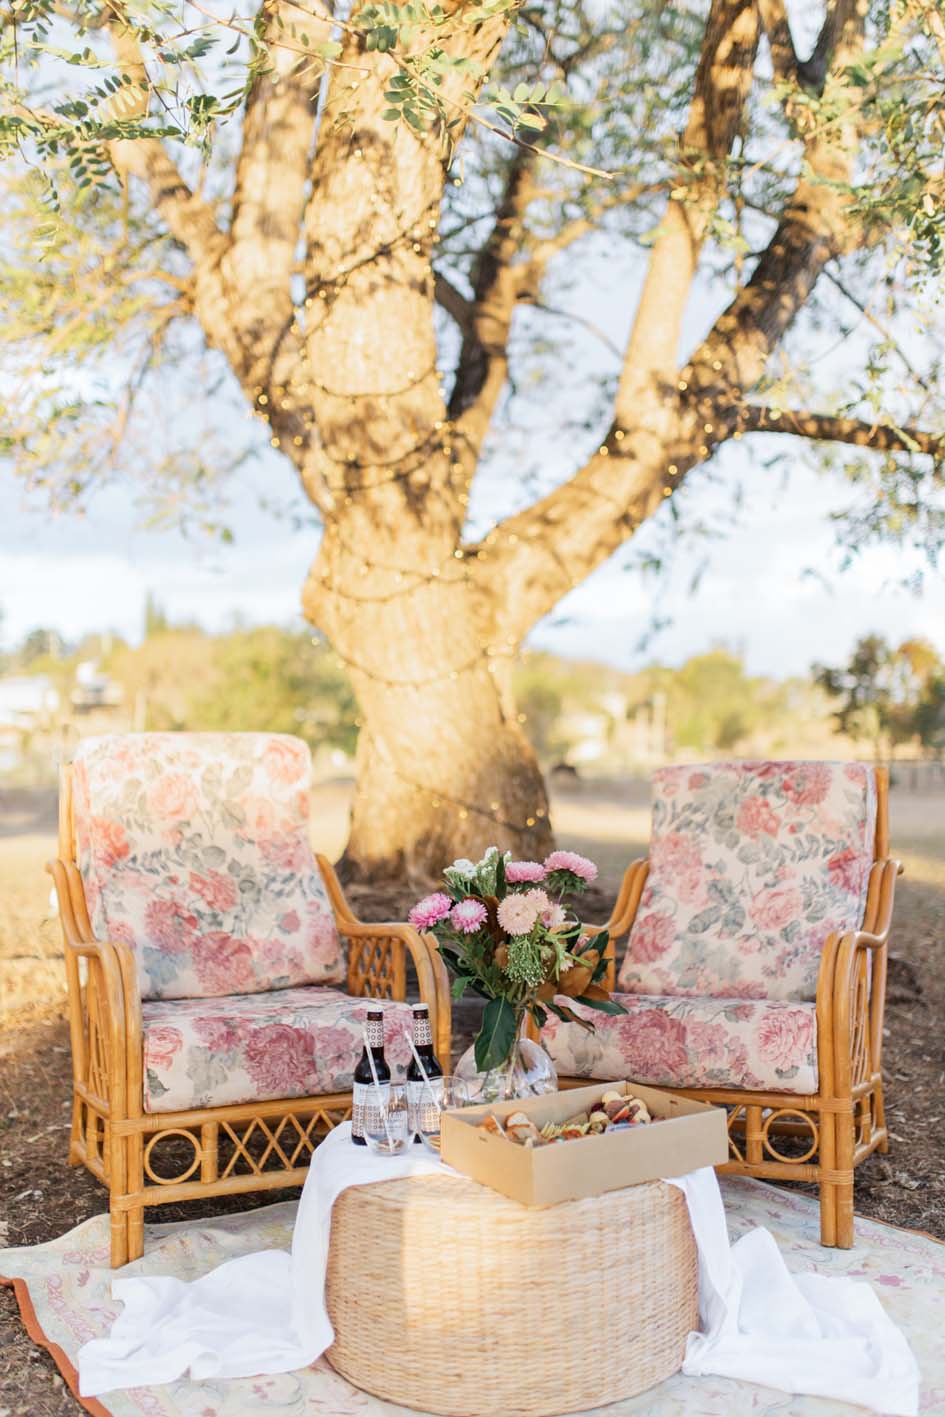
[
  {"x": 519, "y": 871},
  {"x": 554, "y": 917},
  {"x": 578, "y": 866},
  {"x": 430, "y": 911},
  {"x": 517, "y": 914},
  {"x": 468, "y": 915}
]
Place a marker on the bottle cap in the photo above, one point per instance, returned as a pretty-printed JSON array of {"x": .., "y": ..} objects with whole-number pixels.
[{"x": 420, "y": 1008}]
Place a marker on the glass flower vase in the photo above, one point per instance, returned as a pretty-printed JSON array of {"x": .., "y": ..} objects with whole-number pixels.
[{"x": 527, "y": 1071}]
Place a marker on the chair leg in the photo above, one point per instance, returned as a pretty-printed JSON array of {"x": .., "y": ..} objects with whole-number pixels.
[
  {"x": 119, "y": 1233},
  {"x": 75, "y": 1133},
  {"x": 135, "y": 1184},
  {"x": 843, "y": 1187},
  {"x": 116, "y": 1154},
  {"x": 828, "y": 1162},
  {"x": 879, "y": 1116}
]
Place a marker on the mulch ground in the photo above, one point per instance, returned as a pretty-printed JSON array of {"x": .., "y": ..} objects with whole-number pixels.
[{"x": 41, "y": 1196}]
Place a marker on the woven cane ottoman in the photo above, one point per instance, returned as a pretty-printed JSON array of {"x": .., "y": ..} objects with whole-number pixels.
[{"x": 447, "y": 1297}]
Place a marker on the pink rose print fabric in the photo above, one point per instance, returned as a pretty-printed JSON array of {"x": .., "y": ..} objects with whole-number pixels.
[
  {"x": 254, "y": 1047},
  {"x": 756, "y": 1044},
  {"x": 752, "y": 866},
  {"x": 194, "y": 850}
]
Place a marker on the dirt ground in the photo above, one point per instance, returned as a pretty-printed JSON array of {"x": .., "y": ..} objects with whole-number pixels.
[{"x": 41, "y": 1196}]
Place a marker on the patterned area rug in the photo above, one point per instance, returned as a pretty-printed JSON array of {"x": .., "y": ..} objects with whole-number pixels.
[{"x": 64, "y": 1293}]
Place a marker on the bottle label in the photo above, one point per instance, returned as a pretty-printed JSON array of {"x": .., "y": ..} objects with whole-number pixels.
[
  {"x": 422, "y": 1032},
  {"x": 366, "y": 1106},
  {"x": 374, "y": 1030},
  {"x": 423, "y": 1111}
]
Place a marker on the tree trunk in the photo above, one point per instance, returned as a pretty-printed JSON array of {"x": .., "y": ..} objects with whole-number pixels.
[
  {"x": 444, "y": 769},
  {"x": 446, "y": 779}
]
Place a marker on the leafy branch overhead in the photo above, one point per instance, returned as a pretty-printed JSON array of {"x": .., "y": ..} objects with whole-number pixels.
[{"x": 419, "y": 40}]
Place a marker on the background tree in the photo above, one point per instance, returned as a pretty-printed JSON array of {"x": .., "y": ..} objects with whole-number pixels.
[
  {"x": 888, "y": 696},
  {"x": 344, "y": 214}
]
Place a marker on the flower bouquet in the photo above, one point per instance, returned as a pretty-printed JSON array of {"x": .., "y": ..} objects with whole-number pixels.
[{"x": 504, "y": 932}]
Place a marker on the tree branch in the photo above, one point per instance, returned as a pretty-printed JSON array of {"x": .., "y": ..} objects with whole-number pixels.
[
  {"x": 483, "y": 362},
  {"x": 777, "y": 28},
  {"x": 542, "y": 251},
  {"x": 723, "y": 81},
  {"x": 453, "y": 301},
  {"x": 814, "y": 227},
  {"x": 539, "y": 554},
  {"x": 833, "y": 428},
  {"x": 275, "y": 158},
  {"x": 189, "y": 220}
]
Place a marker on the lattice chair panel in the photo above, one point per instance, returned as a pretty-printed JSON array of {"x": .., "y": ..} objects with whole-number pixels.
[{"x": 376, "y": 968}]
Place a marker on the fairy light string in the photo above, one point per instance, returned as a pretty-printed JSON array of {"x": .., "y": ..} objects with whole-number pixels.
[{"x": 352, "y": 477}]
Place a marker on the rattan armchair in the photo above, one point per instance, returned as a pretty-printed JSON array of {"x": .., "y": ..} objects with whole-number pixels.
[
  {"x": 123, "y": 1114},
  {"x": 822, "y": 1115}
]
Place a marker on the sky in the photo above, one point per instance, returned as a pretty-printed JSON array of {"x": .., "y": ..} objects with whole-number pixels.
[{"x": 77, "y": 574}]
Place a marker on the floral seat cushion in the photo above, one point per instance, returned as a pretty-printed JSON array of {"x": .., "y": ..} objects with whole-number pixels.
[
  {"x": 762, "y": 1045},
  {"x": 252, "y": 1047},
  {"x": 752, "y": 865},
  {"x": 194, "y": 851}
]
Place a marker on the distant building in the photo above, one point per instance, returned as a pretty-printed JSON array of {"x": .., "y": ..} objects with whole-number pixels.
[
  {"x": 28, "y": 704},
  {"x": 27, "y": 701},
  {"x": 93, "y": 689}
]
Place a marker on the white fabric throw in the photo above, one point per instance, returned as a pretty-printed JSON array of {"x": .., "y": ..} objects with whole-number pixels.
[{"x": 265, "y": 1313}]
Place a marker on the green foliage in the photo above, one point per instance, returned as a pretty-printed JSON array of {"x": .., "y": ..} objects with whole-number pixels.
[
  {"x": 180, "y": 57},
  {"x": 713, "y": 704},
  {"x": 265, "y": 678},
  {"x": 889, "y": 695},
  {"x": 283, "y": 682}
]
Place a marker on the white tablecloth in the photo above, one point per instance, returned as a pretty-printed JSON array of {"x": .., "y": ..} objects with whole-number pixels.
[{"x": 265, "y": 1313}]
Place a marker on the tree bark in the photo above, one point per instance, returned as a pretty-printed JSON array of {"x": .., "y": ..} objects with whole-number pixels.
[{"x": 443, "y": 769}]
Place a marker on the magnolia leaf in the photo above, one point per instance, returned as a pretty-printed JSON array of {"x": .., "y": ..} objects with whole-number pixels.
[
  {"x": 606, "y": 1005},
  {"x": 496, "y": 1036}
]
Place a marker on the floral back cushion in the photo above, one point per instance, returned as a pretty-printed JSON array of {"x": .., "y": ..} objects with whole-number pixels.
[
  {"x": 752, "y": 866},
  {"x": 194, "y": 850}
]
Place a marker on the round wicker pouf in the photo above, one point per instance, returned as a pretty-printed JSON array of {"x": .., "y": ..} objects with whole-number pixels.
[{"x": 447, "y": 1297}]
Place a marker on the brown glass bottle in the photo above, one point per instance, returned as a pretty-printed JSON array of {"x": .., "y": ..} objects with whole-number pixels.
[
  {"x": 364, "y": 1093},
  {"x": 418, "y": 1092}
]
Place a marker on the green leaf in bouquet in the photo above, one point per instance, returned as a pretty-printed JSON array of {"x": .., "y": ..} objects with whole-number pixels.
[
  {"x": 603, "y": 1006},
  {"x": 600, "y": 941},
  {"x": 459, "y": 986},
  {"x": 496, "y": 1036},
  {"x": 567, "y": 1015},
  {"x": 500, "y": 882},
  {"x": 538, "y": 1014}
]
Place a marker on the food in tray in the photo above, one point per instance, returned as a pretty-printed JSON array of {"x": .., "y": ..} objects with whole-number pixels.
[{"x": 613, "y": 1112}]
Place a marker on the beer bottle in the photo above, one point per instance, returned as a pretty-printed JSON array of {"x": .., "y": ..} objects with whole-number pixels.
[
  {"x": 364, "y": 1103},
  {"x": 419, "y": 1101}
]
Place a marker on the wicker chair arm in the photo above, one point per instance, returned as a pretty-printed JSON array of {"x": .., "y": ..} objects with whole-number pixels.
[
  {"x": 623, "y": 915},
  {"x": 847, "y": 1017},
  {"x": 117, "y": 1001},
  {"x": 877, "y": 934}
]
